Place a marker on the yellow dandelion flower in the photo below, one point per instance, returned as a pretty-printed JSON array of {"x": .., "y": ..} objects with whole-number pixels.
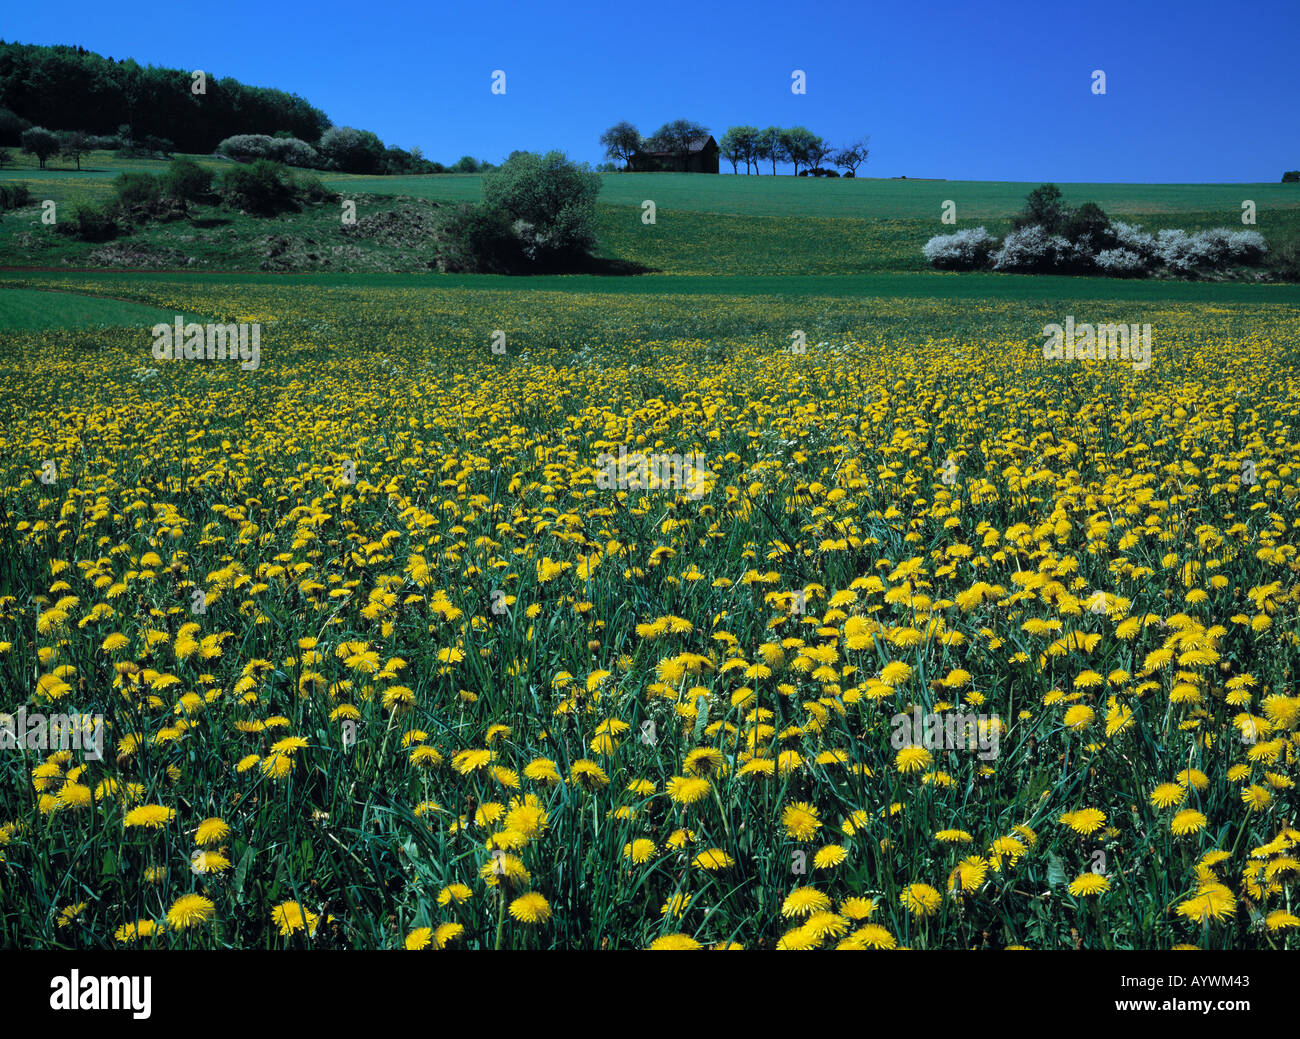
[
  {"x": 921, "y": 899},
  {"x": 530, "y": 908},
  {"x": 800, "y": 821},
  {"x": 1087, "y": 884},
  {"x": 188, "y": 911}
]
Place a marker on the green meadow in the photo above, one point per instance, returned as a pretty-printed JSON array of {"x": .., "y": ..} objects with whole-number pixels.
[{"x": 721, "y": 226}]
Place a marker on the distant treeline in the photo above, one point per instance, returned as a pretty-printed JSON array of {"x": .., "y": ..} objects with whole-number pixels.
[
  {"x": 151, "y": 110},
  {"x": 75, "y": 89}
]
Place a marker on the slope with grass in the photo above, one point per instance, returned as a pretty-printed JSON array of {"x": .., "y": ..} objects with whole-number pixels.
[{"x": 705, "y": 225}]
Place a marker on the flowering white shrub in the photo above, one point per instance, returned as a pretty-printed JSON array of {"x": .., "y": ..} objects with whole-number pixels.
[
  {"x": 1133, "y": 239},
  {"x": 1179, "y": 251},
  {"x": 963, "y": 250},
  {"x": 248, "y": 147},
  {"x": 1063, "y": 254},
  {"x": 1028, "y": 249},
  {"x": 1244, "y": 247},
  {"x": 1121, "y": 263},
  {"x": 293, "y": 152},
  {"x": 1215, "y": 249},
  {"x": 1138, "y": 252},
  {"x": 245, "y": 147}
]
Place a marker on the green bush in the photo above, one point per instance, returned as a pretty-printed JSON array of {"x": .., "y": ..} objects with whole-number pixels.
[
  {"x": 1291, "y": 177},
  {"x": 186, "y": 181},
  {"x": 91, "y": 224},
  {"x": 264, "y": 188},
  {"x": 1090, "y": 223},
  {"x": 478, "y": 239},
  {"x": 1045, "y": 208},
  {"x": 310, "y": 188},
  {"x": 1285, "y": 257},
  {"x": 352, "y": 151},
  {"x": 552, "y": 202},
  {"x": 14, "y": 196},
  {"x": 137, "y": 189}
]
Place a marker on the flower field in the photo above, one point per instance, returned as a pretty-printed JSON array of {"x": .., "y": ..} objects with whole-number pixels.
[{"x": 382, "y": 666}]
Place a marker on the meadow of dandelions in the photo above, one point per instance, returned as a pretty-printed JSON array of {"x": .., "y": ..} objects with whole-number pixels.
[{"x": 439, "y": 690}]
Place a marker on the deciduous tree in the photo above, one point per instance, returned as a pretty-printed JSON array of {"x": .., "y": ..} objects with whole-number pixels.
[{"x": 621, "y": 141}]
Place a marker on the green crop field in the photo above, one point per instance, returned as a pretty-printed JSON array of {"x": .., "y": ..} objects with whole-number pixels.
[
  {"x": 864, "y": 197},
  {"x": 755, "y": 195},
  {"x": 31, "y": 309}
]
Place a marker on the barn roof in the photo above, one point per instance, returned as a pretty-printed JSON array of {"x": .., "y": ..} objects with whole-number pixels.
[{"x": 698, "y": 144}]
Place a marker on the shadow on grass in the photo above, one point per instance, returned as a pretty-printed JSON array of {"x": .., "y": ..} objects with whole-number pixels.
[
  {"x": 604, "y": 266},
  {"x": 611, "y": 266},
  {"x": 608, "y": 266}
]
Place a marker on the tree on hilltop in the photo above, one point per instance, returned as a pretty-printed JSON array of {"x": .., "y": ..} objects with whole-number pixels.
[
  {"x": 676, "y": 137},
  {"x": 770, "y": 145},
  {"x": 851, "y": 156},
  {"x": 621, "y": 141},
  {"x": 797, "y": 143},
  {"x": 818, "y": 149}
]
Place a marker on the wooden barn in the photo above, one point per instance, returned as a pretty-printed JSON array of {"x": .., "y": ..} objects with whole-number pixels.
[{"x": 702, "y": 158}]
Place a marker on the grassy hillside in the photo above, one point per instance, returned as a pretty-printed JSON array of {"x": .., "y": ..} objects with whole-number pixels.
[
  {"x": 864, "y": 197},
  {"x": 63, "y": 182},
  {"x": 705, "y": 226}
]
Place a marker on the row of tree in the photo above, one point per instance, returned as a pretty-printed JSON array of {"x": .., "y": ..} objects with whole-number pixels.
[
  {"x": 72, "y": 145},
  {"x": 340, "y": 148},
  {"x": 750, "y": 145},
  {"x": 796, "y": 145}
]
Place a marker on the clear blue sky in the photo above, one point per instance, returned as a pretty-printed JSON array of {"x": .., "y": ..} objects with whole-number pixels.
[{"x": 1196, "y": 91}]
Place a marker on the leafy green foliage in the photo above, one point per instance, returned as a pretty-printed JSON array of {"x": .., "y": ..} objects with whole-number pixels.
[
  {"x": 13, "y": 196},
  {"x": 91, "y": 224},
  {"x": 264, "y": 188},
  {"x": 479, "y": 239},
  {"x": 551, "y": 200},
  {"x": 1045, "y": 208},
  {"x": 40, "y": 142},
  {"x": 186, "y": 181},
  {"x": 137, "y": 189},
  {"x": 352, "y": 151}
]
